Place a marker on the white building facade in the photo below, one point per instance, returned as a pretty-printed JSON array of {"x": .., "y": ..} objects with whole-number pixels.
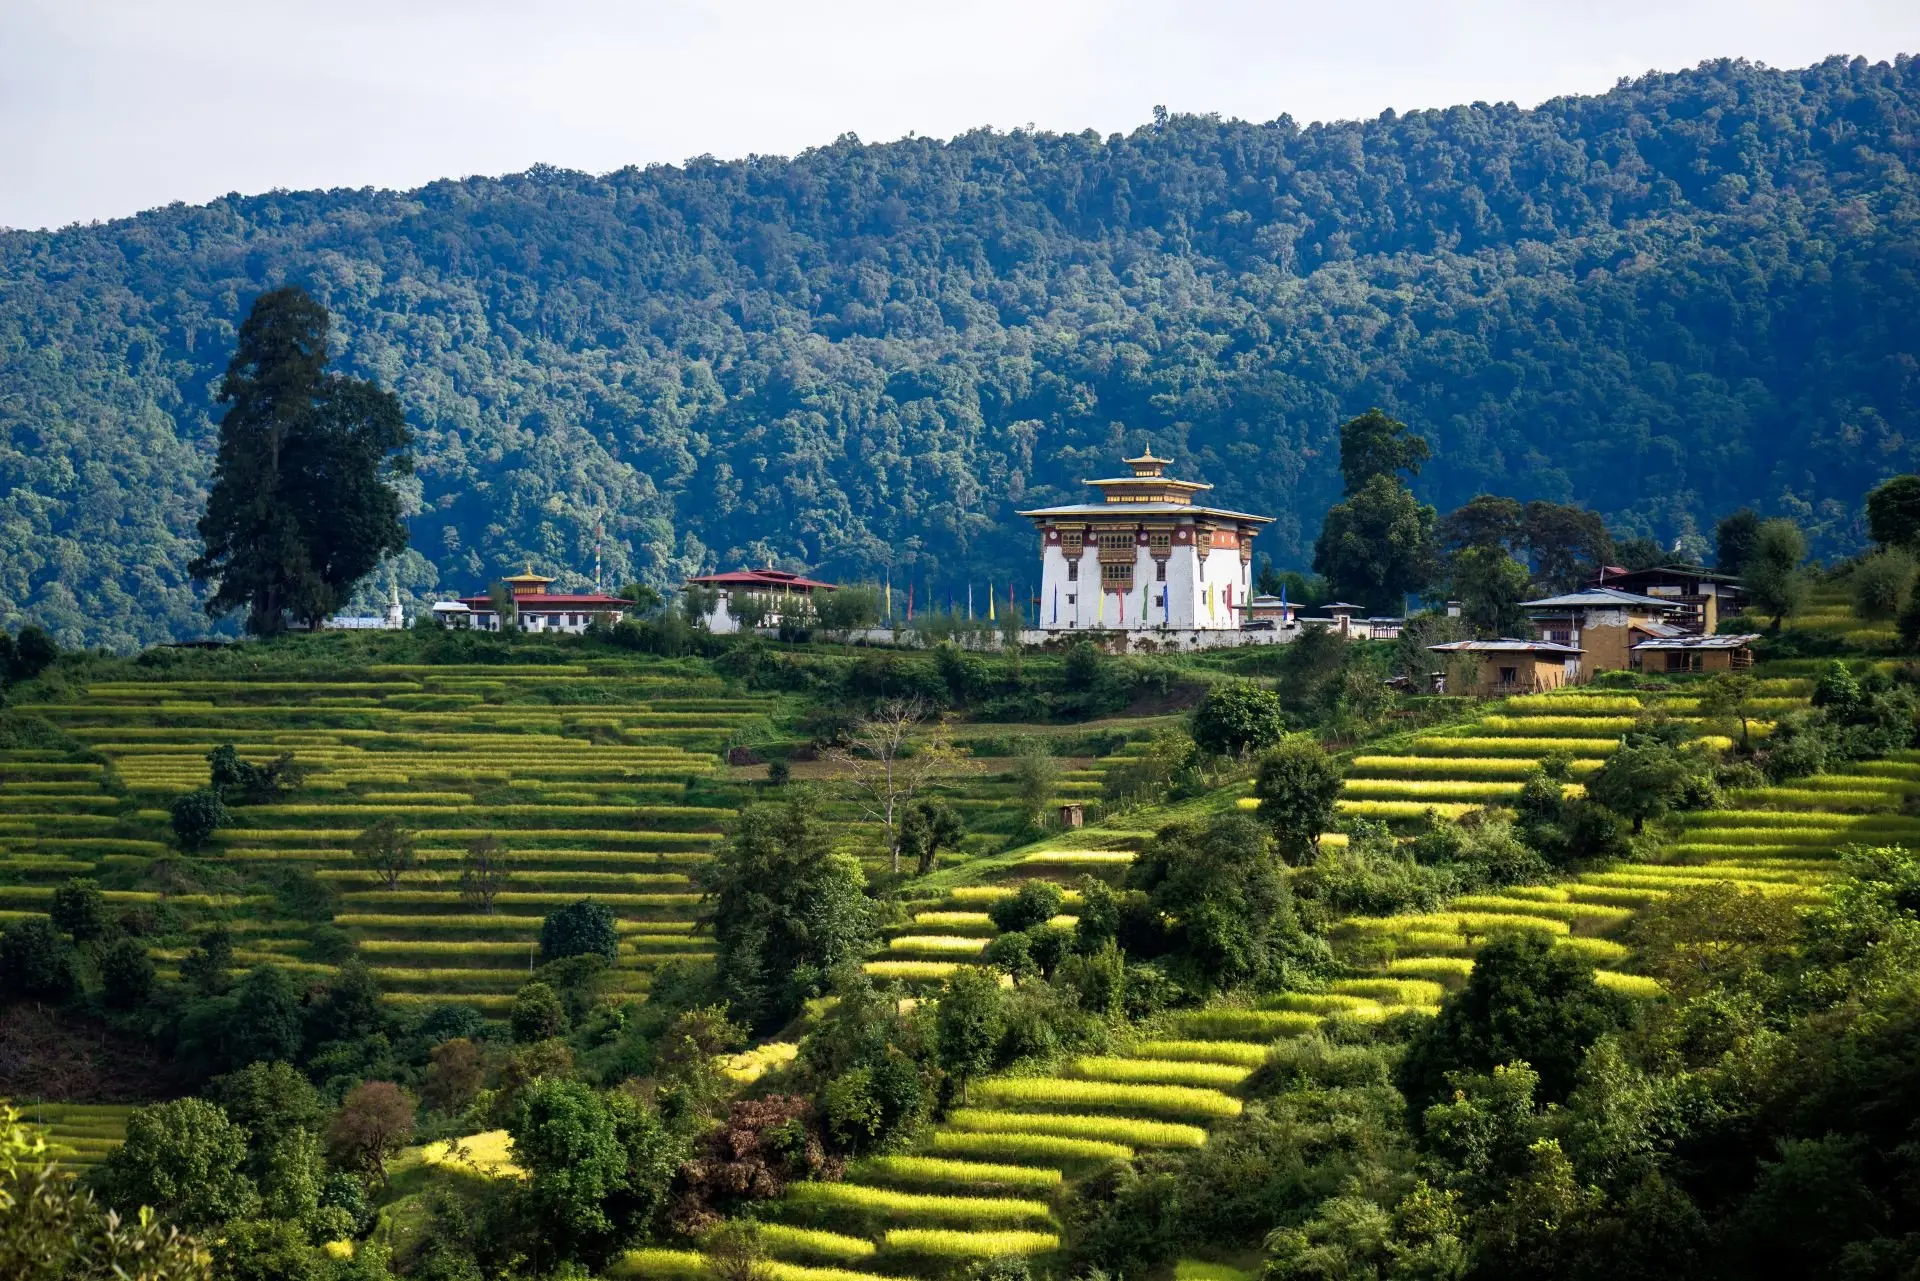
[
  {"x": 1145, "y": 558},
  {"x": 778, "y": 593}
]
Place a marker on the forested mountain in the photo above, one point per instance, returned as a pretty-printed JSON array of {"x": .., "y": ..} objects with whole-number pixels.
[{"x": 1695, "y": 291}]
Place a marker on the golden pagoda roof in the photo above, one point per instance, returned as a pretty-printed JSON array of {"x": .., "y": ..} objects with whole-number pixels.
[{"x": 527, "y": 576}]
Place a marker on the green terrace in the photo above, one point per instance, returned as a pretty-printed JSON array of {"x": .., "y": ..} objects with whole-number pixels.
[{"x": 600, "y": 779}]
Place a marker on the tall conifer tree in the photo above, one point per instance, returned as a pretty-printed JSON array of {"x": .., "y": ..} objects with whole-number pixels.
[{"x": 300, "y": 508}]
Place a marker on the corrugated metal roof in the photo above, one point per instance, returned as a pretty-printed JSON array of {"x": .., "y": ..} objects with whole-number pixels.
[
  {"x": 1597, "y": 596},
  {"x": 1701, "y": 642},
  {"x": 1507, "y": 646}
]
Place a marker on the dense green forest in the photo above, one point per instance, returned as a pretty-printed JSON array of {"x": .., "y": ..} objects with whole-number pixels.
[{"x": 1696, "y": 291}]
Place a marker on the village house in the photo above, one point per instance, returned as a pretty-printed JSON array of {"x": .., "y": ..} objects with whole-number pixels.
[
  {"x": 776, "y": 590},
  {"x": 535, "y": 609},
  {"x": 1730, "y": 653},
  {"x": 1605, "y": 623},
  {"x": 1494, "y": 668},
  {"x": 1701, "y": 597},
  {"x": 1146, "y": 556}
]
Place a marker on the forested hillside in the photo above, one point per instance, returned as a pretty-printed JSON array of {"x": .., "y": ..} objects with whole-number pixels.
[{"x": 1696, "y": 291}]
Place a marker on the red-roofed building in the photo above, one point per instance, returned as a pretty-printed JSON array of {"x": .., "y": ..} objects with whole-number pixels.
[
  {"x": 772, "y": 587},
  {"x": 538, "y": 610}
]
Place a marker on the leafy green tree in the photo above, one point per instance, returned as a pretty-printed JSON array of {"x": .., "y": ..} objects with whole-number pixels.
[
  {"x": 375, "y": 1121},
  {"x": 300, "y": 510},
  {"x": 36, "y": 963},
  {"x": 267, "y": 1019},
  {"x": 1236, "y": 718},
  {"x": 290, "y": 1169},
  {"x": 1377, "y": 545},
  {"x": 269, "y": 1100},
  {"x": 79, "y": 909},
  {"x": 1297, "y": 787},
  {"x": 1774, "y": 579},
  {"x": 784, "y": 908},
  {"x": 1488, "y": 522},
  {"x": 1735, "y": 537},
  {"x": 485, "y": 870},
  {"x": 387, "y": 849},
  {"x": 1641, "y": 782},
  {"x": 1727, "y": 698},
  {"x": 1035, "y": 774},
  {"x": 1375, "y": 445},
  {"x": 29, "y": 654},
  {"x": 848, "y": 609},
  {"x": 930, "y": 823},
  {"x": 1490, "y": 586},
  {"x": 1567, "y": 544},
  {"x": 348, "y": 1008},
  {"x": 968, "y": 1021},
  {"x": 1035, "y": 903},
  {"x": 1883, "y": 583},
  {"x": 195, "y": 816},
  {"x": 585, "y": 928},
  {"x": 1224, "y": 897},
  {"x": 455, "y": 1073},
  {"x": 1526, "y": 1000},
  {"x": 1010, "y": 952},
  {"x": 186, "y": 1159},
  {"x": 252, "y": 784},
  {"x": 645, "y": 599},
  {"x": 126, "y": 974},
  {"x": 267, "y": 1250},
  {"x": 1893, "y": 513},
  {"x": 538, "y": 1014},
  {"x": 599, "y": 1166},
  {"x": 204, "y": 967}
]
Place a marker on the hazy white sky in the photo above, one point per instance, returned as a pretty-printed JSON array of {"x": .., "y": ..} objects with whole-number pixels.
[{"x": 108, "y": 107}]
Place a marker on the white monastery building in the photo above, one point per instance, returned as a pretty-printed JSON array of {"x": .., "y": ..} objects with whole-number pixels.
[
  {"x": 779, "y": 592},
  {"x": 1146, "y": 557},
  {"x": 535, "y": 609}
]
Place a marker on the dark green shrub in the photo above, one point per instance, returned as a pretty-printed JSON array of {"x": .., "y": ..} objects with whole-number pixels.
[
  {"x": 196, "y": 816},
  {"x": 37, "y": 962},
  {"x": 1035, "y": 903},
  {"x": 1237, "y": 718},
  {"x": 579, "y": 929},
  {"x": 80, "y": 909},
  {"x": 537, "y": 1014},
  {"x": 126, "y": 974}
]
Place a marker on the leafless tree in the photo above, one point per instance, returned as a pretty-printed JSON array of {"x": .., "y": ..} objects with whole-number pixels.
[
  {"x": 891, "y": 755},
  {"x": 484, "y": 872}
]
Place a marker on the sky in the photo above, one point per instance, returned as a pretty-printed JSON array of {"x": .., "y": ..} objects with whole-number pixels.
[{"x": 108, "y": 107}]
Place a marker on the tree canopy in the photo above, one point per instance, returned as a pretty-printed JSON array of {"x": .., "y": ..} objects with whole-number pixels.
[{"x": 300, "y": 509}]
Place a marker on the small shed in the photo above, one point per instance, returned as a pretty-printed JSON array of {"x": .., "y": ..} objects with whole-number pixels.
[
  {"x": 1733, "y": 653},
  {"x": 1073, "y": 814},
  {"x": 1496, "y": 668}
]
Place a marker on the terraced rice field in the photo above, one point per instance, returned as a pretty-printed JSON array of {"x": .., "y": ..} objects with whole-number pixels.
[
  {"x": 987, "y": 1180},
  {"x": 598, "y": 778},
  {"x": 79, "y": 1134}
]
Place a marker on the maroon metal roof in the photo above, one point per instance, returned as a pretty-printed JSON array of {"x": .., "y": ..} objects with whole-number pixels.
[{"x": 762, "y": 578}]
